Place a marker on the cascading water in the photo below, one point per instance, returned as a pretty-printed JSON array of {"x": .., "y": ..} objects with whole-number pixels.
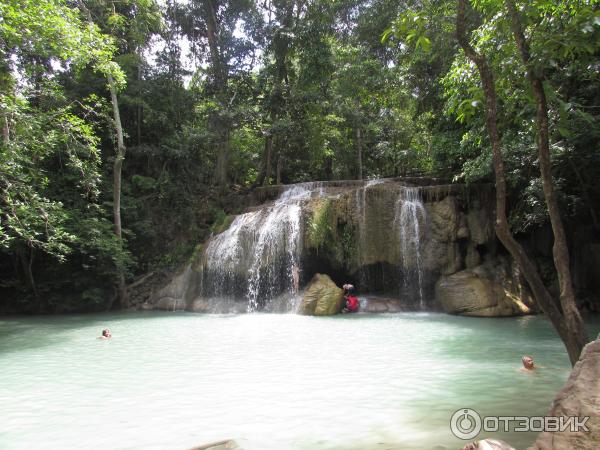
[
  {"x": 361, "y": 211},
  {"x": 259, "y": 257},
  {"x": 409, "y": 220},
  {"x": 278, "y": 237},
  {"x": 260, "y": 250}
]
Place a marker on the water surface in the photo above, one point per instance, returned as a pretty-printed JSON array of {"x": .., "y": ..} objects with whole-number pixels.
[{"x": 271, "y": 381}]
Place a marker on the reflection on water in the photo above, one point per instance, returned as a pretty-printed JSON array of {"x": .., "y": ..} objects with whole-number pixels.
[{"x": 176, "y": 380}]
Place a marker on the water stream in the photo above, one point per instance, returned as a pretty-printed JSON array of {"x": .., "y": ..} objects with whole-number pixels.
[
  {"x": 409, "y": 220},
  {"x": 363, "y": 234},
  {"x": 259, "y": 253}
]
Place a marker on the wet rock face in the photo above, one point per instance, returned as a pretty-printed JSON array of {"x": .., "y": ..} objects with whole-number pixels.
[
  {"x": 385, "y": 237},
  {"x": 390, "y": 243},
  {"x": 493, "y": 289},
  {"x": 580, "y": 396},
  {"x": 322, "y": 297}
]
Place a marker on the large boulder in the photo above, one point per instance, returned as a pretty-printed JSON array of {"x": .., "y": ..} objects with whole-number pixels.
[
  {"x": 322, "y": 297},
  {"x": 488, "y": 290},
  {"x": 580, "y": 397},
  {"x": 172, "y": 296}
]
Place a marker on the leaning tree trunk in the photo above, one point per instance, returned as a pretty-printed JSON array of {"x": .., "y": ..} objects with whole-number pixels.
[
  {"x": 560, "y": 249},
  {"x": 526, "y": 265},
  {"x": 117, "y": 168}
]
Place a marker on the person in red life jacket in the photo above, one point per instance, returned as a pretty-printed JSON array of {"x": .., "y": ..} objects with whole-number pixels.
[{"x": 350, "y": 303}]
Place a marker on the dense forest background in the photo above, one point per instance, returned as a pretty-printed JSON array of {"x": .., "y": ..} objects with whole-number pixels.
[{"x": 132, "y": 128}]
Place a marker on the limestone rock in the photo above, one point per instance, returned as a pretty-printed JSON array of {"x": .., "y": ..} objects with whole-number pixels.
[
  {"x": 453, "y": 259},
  {"x": 480, "y": 226},
  {"x": 322, "y": 297},
  {"x": 488, "y": 444},
  {"x": 443, "y": 218},
  {"x": 221, "y": 445},
  {"x": 488, "y": 290},
  {"x": 351, "y": 228},
  {"x": 172, "y": 296},
  {"x": 580, "y": 396},
  {"x": 463, "y": 228},
  {"x": 382, "y": 305},
  {"x": 473, "y": 258},
  {"x": 170, "y": 304},
  {"x": 143, "y": 288},
  {"x": 200, "y": 305}
]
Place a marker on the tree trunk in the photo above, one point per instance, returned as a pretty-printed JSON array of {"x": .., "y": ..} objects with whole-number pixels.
[
  {"x": 526, "y": 265},
  {"x": 268, "y": 158},
  {"x": 359, "y": 152},
  {"x": 117, "y": 168},
  {"x": 265, "y": 165},
  {"x": 6, "y": 87},
  {"x": 27, "y": 267},
  {"x": 139, "y": 109},
  {"x": 281, "y": 44},
  {"x": 560, "y": 249},
  {"x": 5, "y": 130},
  {"x": 220, "y": 74},
  {"x": 222, "y": 158},
  {"x": 279, "y": 168},
  {"x": 328, "y": 167}
]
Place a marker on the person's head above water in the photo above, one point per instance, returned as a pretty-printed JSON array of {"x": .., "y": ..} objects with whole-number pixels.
[
  {"x": 106, "y": 333},
  {"x": 527, "y": 362},
  {"x": 348, "y": 287}
]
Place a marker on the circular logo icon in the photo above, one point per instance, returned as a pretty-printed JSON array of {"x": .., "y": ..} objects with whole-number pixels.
[{"x": 465, "y": 423}]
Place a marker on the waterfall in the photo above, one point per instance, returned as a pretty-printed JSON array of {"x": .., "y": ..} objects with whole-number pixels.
[
  {"x": 258, "y": 256},
  {"x": 409, "y": 220},
  {"x": 361, "y": 212}
]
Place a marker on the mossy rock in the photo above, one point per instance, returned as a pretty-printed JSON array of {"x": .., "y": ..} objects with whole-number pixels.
[
  {"x": 319, "y": 230},
  {"x": 322, "y": 297},
  {"x": 196, "y": 258},
  {"x": 221, "y": 222}
]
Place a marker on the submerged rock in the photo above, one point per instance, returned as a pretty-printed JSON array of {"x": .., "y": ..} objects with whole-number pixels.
[
  {"x": 488, "y": 444},
  {"x": 382, "y": 305},
  {"x": 322, "y": 297},
  {"x": 170, "y": 304},
  {"x": 488, "y": 290},
  {"x": 580, "y": 397},
  {"x": 221, "y": 445}
]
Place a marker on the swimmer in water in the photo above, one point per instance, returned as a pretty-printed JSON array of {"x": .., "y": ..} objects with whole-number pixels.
[
  {"x": 105, "y": 334},
  {"x": 527, "y": 362}
]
